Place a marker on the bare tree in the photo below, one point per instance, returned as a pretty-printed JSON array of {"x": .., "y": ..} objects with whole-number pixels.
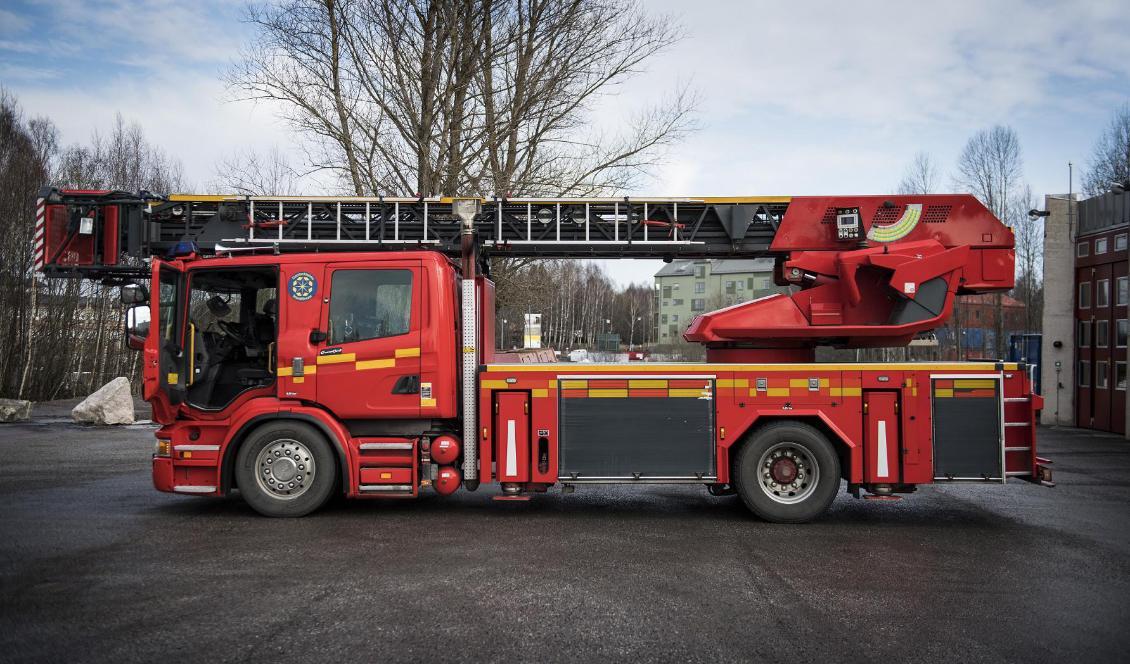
[
  {"x": 251, "y": 173},
  {"x": 990, "y": 167},
  {"x": 462, "y": 96},
  {"x": 1110, "y": 159},
  {"x": 1029, "y": 236},
  {"x": 920, "y": 177},
  {"x": 60, "y": 338}
]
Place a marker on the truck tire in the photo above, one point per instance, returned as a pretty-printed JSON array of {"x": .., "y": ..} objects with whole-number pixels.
[
  {"x": 285, "y": 469},
  {"x": 787, "y": 472}
]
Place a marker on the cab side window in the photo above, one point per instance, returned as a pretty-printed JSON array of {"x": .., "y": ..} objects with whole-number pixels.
[{"x": 369, "y": 304}]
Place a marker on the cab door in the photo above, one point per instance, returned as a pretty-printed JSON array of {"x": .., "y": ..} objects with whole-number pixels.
[
  {"x": 163, "y": 370},
  {"x": 368, "y": 366}
]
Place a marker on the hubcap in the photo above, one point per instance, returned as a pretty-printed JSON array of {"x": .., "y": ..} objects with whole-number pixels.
[
  {"x": 285, "y": 469},
  {"x": 788, "y": 472}
]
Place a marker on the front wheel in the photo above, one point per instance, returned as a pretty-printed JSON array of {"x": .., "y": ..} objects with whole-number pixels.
[
  {"x": 787, "y": 472},
  {"x": 285, "y": 469}
]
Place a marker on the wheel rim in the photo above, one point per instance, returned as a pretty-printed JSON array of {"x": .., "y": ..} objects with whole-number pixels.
[
  {"x": 285, "y": 469},
  {"x": 788, "y": 472}
]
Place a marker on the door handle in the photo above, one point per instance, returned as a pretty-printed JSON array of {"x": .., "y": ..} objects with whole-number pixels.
[
  {"x": 318, "y": 336},
  {"x": 407, "y": 385}
]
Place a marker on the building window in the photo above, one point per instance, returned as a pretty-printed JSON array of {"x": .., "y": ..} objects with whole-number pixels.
[
  {"x": 1085, "y": 295},
  {"x": 1084, "y": 375},
  {"x": 1120, "y": 333},
  {"x": 741, "y": 285},
  {"x": 677, "y": 303},
  {"x": 1083, "y": 249},
  {"x": 1084, "y": 333},
  {"x": 1102, "y": 293},
  {"x": 663, "y": 319},
  {"x": 699, "y": 287},
  {"x": 675, "y": 286},
  {"x": 1100, "y": 246},
  {"x": 1120, "y": 242},
  {"x": 1101, "y": 369},
  {"x": 1120, "y": 375},
  {"x": 700, "y": 271},
  {"x": 666, "y": 292},
  {"x": 673, "y": 331},
  {"x": 1122, "y": 294},
  {"x": 749, "y": 283},
  {"x": 1102, "y": 333},
  {"x": 730, "y": 287},
  {"x": 698, "y": 305}
]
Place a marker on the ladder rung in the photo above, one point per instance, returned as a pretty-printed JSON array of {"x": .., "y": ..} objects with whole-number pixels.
[
  {"x": 1017, "y": 399},
  {"x": 1017, "y": 424},
  {"x": 1018, "y": 449}
]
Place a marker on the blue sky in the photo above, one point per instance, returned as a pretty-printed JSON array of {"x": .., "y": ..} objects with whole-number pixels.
[{"x": 796, "y": 97}]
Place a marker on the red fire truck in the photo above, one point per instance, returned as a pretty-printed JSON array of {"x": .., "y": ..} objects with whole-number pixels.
[{"x": 298, "y": 347}]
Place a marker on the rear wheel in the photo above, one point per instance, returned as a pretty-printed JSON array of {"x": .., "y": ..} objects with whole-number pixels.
[
  {"x": 787, "y": 472},
  {"x": 285, "y": 469}
]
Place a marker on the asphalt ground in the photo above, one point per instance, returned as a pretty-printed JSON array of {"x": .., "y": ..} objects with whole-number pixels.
[{"x": 97, "y": 566}]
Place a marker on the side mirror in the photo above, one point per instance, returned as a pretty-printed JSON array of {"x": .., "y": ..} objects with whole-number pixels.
[
  {"x": 137, "y": 326},
  {"x": 134, "y": 294}
]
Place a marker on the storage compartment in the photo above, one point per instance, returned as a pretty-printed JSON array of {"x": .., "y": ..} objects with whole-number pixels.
[
  {"x": 637, "y": 429},
  {"x": 968, "y": 440}
]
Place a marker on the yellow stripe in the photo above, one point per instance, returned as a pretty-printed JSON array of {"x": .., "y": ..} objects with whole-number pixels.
[
  {"x": 943, "y": 392},
  {"x": 746, "y": 199},
  {"x": 492, "y": 384},
  {"x": 427, "y": 403},
  {"x": 200, "y": 197},
  {"x": 383, "y": 363},
  {"x": 798, "y": 382},
  {"x": 172, "y": 378},
  {"x": 597, "y": 394},
  {"x": 777, "y": 392},
  {"x": 975, "y": 384},
  {"x": 300, "y": 380},
  {"x": 846, "y": 391},
  {"x": 340, "y": 358},
  {"x": 540, "y": 392},
  {"x": 408, "y": 352},
  {"x": 574, "y": 384},
  {"x": 688, "y": 392},
  {"x": 647, "y": 383},
  {"x": 981, "y": 367},
  {"x": 733, "y": 382}
]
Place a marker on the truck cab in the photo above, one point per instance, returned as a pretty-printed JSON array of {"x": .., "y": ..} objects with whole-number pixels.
[{"x": 365, "y": 336}]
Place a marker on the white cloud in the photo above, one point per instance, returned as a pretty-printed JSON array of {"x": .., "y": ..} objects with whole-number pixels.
[{"x": 12, "y": 23}]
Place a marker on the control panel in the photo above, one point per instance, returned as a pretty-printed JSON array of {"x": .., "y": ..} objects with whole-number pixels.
[{"x": 848, "y": 226}]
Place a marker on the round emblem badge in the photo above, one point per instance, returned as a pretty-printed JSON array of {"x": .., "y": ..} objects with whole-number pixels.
[{"x": 302, "y": 286}]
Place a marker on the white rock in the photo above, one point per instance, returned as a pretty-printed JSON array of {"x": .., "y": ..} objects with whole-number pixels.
[
  {"x": 111, "y": 404},
  {"x": 14, "y": 410}
]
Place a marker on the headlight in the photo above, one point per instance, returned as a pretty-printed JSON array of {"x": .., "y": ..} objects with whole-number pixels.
[{"x": 163, "y": 448}]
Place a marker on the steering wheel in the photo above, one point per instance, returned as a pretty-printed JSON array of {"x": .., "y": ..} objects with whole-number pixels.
[{"x": 232, "y": 330}]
